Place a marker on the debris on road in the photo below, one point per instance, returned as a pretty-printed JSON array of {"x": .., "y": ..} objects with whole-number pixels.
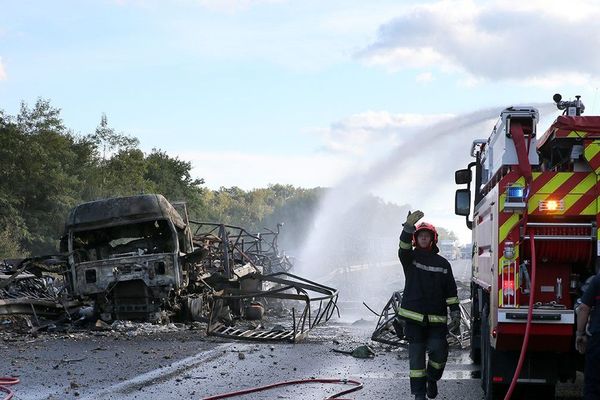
[
  {"x": 390, "y": 329},
  {"x": 34, "y": 293},
  {"x": 363, "y": 351}
]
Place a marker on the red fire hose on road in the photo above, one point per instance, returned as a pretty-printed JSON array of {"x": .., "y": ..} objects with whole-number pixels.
[
  {"x": 513, "y": 383},
  {"x": 357, "y": 386},
  {"x": 4, "y": 383}
]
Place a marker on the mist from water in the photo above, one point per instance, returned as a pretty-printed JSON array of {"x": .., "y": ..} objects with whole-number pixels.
[{"x": 375, "y": 279}]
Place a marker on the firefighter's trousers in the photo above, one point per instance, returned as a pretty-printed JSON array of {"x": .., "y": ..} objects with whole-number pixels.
[
  {"x": 591, "y": 390},
  {"x": 427, "y": 339}
]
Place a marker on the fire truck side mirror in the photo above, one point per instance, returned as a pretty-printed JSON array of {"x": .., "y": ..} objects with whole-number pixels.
[
  {"x": 462, "y": 202},
  {"x": 462, "y": 176}
]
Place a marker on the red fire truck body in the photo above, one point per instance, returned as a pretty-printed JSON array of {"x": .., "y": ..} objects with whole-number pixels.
[{"x": 530, "y": 188}]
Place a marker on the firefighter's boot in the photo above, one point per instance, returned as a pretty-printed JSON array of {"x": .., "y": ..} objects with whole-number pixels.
[
  {"x": 420, "y": 397},
  {"x": 432, "y": 390}
]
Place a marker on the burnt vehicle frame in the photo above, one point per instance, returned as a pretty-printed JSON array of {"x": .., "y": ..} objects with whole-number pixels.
[
  {"x": 138, "y": 258},
  {"x": 36, "y": 287},
  {"x": 227, "y": 245}
]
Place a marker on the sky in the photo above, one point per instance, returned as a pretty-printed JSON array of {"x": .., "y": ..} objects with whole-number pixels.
[{"x": 308, "y": 93}]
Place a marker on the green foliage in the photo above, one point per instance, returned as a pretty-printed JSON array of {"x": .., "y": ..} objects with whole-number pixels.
[
  {"x": 108, "y": 141},
  {"x": 45, "y": 170},
  {"x": 38, "y": 175},
  {"x": 9, "y": 245}
]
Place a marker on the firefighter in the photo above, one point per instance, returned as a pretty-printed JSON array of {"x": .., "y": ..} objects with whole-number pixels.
[
  {"x": 428, "y": 292},
  {"x": 590, "y": 304}
]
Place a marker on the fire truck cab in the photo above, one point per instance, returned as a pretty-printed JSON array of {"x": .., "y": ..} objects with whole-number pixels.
[{"x": 535, "y": 210}]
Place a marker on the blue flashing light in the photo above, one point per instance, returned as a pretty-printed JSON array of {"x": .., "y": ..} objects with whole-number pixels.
[{"x": 515, "y": 192}]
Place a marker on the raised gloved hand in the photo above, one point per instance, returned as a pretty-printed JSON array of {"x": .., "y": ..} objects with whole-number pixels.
[
  {"x": 454, "y": 326},
  {"x": 412, "y": 218},
  {"x": 581, "y": 343}
]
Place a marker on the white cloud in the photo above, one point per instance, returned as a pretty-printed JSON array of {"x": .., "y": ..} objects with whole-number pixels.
[
  {"x": 425, "y": 77},
  {"x": 370, "y": 131},
  {"x": 248, "y": 171},
  {"x": 533, "y": 42},
  {"x": 2, "y": 71},
  {"x": 351, "y": 144}
]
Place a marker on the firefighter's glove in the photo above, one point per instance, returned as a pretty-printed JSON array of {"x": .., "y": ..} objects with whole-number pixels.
[
  {"x": 454, "y": 326},
  {"x": 581, "y": 343},
  {"x": 412, "y": 218}
]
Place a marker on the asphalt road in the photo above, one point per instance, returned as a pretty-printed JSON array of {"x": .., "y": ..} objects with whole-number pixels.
[{"x": 179, "y": 363}]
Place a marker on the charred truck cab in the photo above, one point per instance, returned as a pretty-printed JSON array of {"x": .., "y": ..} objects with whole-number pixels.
[
  {"x": 536, "y": 211},
  {"x": 125, "y": 253}
]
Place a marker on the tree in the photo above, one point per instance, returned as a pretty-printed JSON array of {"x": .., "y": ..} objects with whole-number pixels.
[
  {"x": 108, "y": 141},
  {"x": 39, "y": 175}
]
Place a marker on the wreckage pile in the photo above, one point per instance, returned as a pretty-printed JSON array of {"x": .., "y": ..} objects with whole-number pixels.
[
  {"x": 139, "y": 258},
  {"x": 390, "y": 329},
  {"x": 35, "y": 287}
]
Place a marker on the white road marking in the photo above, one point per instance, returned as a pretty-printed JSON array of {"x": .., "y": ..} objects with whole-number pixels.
[{"x": 162, "y": 374}]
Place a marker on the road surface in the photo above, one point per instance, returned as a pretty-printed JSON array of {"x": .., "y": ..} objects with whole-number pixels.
[{"x": 177, "y": 362}]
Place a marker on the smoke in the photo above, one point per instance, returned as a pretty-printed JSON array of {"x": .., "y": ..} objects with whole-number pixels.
[{"x": 340, "y": 231}]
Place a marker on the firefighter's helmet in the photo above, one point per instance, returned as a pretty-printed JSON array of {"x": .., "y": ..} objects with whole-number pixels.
[{"x": 425, "y": 226}]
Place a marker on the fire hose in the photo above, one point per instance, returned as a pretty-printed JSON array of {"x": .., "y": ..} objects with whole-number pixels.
[
  {"x": 513, "y": 383},
  {"x": 357, "y": 386},
  {"x": 4, "y": 383}
]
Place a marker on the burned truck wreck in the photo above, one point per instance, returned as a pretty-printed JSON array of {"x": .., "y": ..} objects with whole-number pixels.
[
  {"x": 139, "y": 258},
  {"x": 126, "y": 254}
]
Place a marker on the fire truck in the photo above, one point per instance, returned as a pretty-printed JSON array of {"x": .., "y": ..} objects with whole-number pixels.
[{"x": 534, "y": 221}]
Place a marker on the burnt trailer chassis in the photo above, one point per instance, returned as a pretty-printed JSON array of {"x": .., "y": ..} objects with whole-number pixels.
[
  {"x": 289, "y": 289},
  {"x": 224, "y": 247}
]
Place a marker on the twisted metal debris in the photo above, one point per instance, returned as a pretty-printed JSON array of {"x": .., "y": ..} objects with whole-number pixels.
[
  {"x": 34, "y": 286},
  {"x": 390, "y": 329}
]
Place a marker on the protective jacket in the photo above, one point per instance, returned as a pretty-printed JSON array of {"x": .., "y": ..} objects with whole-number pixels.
[{"x": 429, "y": 288}]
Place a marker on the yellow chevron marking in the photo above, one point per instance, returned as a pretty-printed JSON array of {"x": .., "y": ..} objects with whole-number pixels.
[
  {"x": 507, "y": 227},
  {"x": 573, "y": 134},
  {"x": 590, "y": 210},
  {"x": 591, "y": 150},
  {"x": 585, "y": 185},
  {"x": 549, "y": 188},
  {"x": 568, "y": 202},
  {"x": 500, "y": 298},
  {"x": 578, "y": 192}
]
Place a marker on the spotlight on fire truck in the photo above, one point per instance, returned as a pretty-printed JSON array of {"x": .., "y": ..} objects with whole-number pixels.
[{"x": 572, "y": 108}]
